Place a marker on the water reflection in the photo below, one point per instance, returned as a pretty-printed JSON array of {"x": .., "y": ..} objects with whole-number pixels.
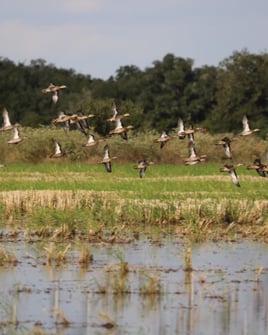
[{"x": 225, "y": 293}]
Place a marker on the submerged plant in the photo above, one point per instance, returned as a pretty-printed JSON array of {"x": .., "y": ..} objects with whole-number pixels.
[
  {"x": 7, "y": 257},
  {"x": 187, "y": 259},
  {"x": 54, "y": 254},
  {"x": 85, "y": 256},
  {"x": 151, "y": 285}
]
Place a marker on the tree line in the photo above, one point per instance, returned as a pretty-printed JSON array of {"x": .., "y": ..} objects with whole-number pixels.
[{"x": 214, "y": 97}]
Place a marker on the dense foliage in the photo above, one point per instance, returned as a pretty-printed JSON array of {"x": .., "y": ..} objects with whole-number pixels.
[{"x": 213, "y": 97}]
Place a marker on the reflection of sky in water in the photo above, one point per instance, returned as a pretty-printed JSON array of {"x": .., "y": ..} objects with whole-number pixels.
[{"x": 221, "y": 295}]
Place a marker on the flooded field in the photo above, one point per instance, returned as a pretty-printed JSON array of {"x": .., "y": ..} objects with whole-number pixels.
[{"x": 146, "y": 286}]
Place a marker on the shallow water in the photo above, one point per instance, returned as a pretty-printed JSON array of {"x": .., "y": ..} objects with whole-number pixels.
[{"x": 226, "y": 293}]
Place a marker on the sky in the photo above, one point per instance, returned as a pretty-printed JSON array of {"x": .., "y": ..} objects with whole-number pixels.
[{"x": 97, "y": 37}]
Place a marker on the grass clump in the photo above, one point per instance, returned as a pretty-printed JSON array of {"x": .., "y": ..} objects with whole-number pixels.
[
  {"x": 56, "y": 254},
  {"x": 7, "y": 257},
  {"x": 150, "y": 285}
]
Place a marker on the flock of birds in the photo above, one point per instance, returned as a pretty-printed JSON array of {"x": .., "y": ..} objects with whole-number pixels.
[{"x": 82, "y": 124}]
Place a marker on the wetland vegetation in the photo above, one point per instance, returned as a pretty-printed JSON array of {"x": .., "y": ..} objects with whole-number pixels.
[{"x": 181, "y": 250}]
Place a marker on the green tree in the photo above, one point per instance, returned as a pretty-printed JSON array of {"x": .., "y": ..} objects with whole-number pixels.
[{"x": 242, "y": 88}]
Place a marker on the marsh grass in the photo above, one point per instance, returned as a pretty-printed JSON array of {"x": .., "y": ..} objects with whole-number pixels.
[
  {"x": 56, "y": 253},
  {"x": 85, "y": 256},
  {"x": 69, "y": 199},
  {"x": 7, "y": 257},
  {"x": 150, "y": 284},
  {"x": 38, "y": 146},
  {"x": 187, "y": 259}
]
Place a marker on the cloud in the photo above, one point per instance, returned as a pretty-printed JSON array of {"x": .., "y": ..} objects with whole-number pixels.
[
  {"x": 98, "y": 36},
  {"x": 81, "y": 5}
]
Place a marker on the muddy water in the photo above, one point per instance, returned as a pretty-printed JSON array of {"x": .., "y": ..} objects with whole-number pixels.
[{"x": 226, "y": 293}]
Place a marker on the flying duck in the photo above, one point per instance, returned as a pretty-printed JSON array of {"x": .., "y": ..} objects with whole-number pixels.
[
  {"x": 163, "y": 139},
  {"x": 54, "y": 89},
  {"x": 193, "y": 158},
  {"x": 81, "y": 121},
  {"x": 16, "y": 137},
  {"x": 182, "y": 132},
  {"x": 142, "y": 166},
  {"x": 62, "y": 117},
  {"x": 226, "y": 142},
  {"x": 190, "y": 133},
  {"x": 58, "y": 152},
  {"x": 231, "y": 169},
  {"x": 257, "y": 165},
  {"x": 91, "y": 141},
  {"x": 246, "y": 129},
  {"x": 115, "y": 114},
  {"x": 64, "y": 120},
  {"x": 107, "y": 159},
  {"x": 119, "y": 129},
  {"x": 6, "y": 121}
]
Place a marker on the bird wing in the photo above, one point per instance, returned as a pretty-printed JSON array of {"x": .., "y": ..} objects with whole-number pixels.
[
  {"x": 118, "y": 123},
  {"x": 57, "y": 148},
  {"x": 180, "y": 125},
  {"x": 16, "y": 134},
  {"x": 106, "y": 154},
  {"x": 245, "y": 123},
  {"x": 114, "y": 110},
  {"x": 234, "y": 177},
  {"x": 91, "y": 138},
  {"x": 108, "y": 166},
  {"x": 227, "y": 149},
  {"x": 6, "y": 120},
  {"x": 192, "y": 151}
]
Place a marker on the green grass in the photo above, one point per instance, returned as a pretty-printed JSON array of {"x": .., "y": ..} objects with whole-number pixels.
[
  {"x": 76, "y": 194},
  {"x": 161, "y": 181}
]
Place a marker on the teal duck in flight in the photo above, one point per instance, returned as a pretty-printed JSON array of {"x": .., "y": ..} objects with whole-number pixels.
[
  {"x": 226, "y": 143},
  {"x": 231, "y": 169},
  {"x": 246, "y": 129},
  {"x": 163, "y": 139},
  {"x": 16, "y": 137},
  {"x": 58, "y": 152},
  {"x": 115, "y": 114},
  {"x": 64, "y": 120},
  {"x": 54, "y": 89},
  {"x": 193, "y": 158},
  {"x": 107, "y": 159},
  {"x": 6, "y": 121},
  {"x": 181, "y": 131},
  {"x": 91, "y": 141},
  {"x": 260, "y": 168},
  {"x": 142, "y": 166},
  {"x": 120, "y": 129}
]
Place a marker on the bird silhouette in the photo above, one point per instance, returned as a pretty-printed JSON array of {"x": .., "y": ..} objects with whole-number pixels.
[
  {"x": 91, "y": 141},
  {"x": 246, "y": 129},
  {"x": 58, "y": 152},
  {"x": 107, "y": 158},
  {"x": 142, "y": 166},
  {"x": 54, "y": 89},
  {"x": 226, "y": 143},
  {"x": 261, "y": 169},
  {"x": 193, "y": 158},
  {"x": 231, "y": 169},
  {"x": 120, "y": 129},
  {"x": 115, "y": 114},
  {"x": 163, "y": 139},
  {"x": 181, "y": 131},
  {"x": 16, "y": 137},
  {"x": 6, "y": 121}
]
